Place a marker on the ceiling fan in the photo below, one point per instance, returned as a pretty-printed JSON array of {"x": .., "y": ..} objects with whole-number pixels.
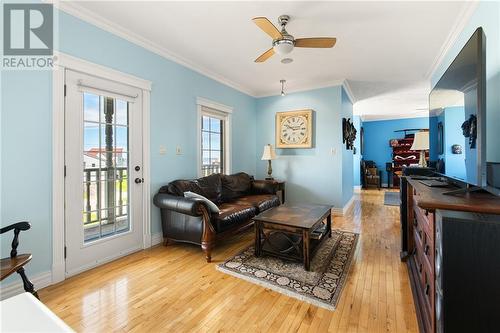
[{"x": 283, "y": 42}]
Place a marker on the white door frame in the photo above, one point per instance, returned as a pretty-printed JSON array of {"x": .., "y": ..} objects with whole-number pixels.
[{"x": 62, "y": 63}]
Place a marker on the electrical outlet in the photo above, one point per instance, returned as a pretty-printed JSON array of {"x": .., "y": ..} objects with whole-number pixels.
[
  {"x": 178, "y": 150},
  {"x": 163, "y": 150}
]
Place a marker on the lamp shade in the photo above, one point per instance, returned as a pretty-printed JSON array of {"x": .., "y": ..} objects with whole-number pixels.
[
  {"x": 268, "y": 153},
  {"x": 421, "y": 141}
]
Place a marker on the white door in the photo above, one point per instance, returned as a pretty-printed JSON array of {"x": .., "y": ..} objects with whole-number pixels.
[{"x": 103, "y": 166}]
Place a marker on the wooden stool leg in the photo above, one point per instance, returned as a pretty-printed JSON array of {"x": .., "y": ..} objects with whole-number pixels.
[{"x": 28, "y": 286}]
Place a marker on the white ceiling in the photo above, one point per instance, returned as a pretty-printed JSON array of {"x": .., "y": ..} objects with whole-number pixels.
[{"x": 385, "y": 50}]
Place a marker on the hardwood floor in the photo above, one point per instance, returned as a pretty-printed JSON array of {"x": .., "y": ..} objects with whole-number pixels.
[{"x": 173, "y": 288}]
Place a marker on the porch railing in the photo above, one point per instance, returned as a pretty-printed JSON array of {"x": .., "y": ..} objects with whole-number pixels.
[
  {"x": 93, "y": 176},
  {"x": 209, "y": 169}
]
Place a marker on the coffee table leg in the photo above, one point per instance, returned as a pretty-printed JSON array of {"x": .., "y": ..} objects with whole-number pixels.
[
  {"x": 329, "y": 224},
  {"x": 305, "y": 249},
  {"x": 257, "y": 238}
]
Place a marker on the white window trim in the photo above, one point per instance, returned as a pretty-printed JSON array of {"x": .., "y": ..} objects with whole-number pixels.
[
  {"x": 62, "y": 63},
  {"x": 223, "y": 112}
]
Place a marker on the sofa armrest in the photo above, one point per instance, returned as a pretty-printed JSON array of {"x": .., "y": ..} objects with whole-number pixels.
[
  {"x": 265, "y": 187},
  {"x": 189, "y": 206}
]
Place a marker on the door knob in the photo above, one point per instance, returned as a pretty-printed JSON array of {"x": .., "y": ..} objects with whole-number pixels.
[{"x": 139, "y": 180}]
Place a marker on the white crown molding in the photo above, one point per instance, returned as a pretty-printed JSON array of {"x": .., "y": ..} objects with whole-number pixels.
[
  {"x": 462, "y": 20},
  {"x": 84, "y": 14},
  {"x": 348, "y": 90},
  {"x": 368, "y": 118}
]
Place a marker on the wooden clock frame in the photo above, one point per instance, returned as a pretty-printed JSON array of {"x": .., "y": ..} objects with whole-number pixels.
[{"x": 282, "y": 116}]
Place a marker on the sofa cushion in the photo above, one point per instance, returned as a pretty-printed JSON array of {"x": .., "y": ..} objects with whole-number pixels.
[
  {"x": 178, "y": 187},
  {"x": 210, "y": 204},
  {"x": 211, "y": 187},
  {"x": 235, "y": 186},
  {"x": 260, "y": 201},
  {"x": 232, "y": 214}
]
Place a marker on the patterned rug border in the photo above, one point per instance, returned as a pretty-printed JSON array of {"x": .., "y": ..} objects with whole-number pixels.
[{"x": 293, "y": 294}]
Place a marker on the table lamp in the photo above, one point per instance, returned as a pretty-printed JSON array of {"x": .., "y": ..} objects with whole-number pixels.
[
  {"x": 421, "y": 142},
  {"x": 269, "y": 155}
]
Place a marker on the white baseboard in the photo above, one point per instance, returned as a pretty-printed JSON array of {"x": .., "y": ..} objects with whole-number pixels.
[
  {"x": 40, "y": 280},
  {"x": 357, "y": 188},
  {"x": 342, "y": 211},
  {"x": 156, "y": 239}
]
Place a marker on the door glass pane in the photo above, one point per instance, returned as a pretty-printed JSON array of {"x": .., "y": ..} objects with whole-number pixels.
[{"x": 105, "y": 167}]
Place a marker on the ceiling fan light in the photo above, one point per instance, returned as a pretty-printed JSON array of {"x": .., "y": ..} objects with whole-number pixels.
[{"x": 283, "y": 47}]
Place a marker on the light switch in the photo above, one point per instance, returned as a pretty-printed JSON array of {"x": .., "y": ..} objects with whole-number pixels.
[
  {"x": 178, "y": 150},
  {"x": 163, "y": 150},
  {"x": 333, "y": 151}
]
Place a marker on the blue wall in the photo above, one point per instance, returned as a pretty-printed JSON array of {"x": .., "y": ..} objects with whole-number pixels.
[
  {"x": 377, "y": 136},
  {"x": 347, "y": 155},
  {"x": 313, "y": 175},
  {"x": 356, "y": 159},
  {"x": 487, "y": 16},
  {"x": 26, "y": 145}
]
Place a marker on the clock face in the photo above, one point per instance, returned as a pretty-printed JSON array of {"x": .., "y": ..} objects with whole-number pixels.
[{"x": 294, "y": 130}]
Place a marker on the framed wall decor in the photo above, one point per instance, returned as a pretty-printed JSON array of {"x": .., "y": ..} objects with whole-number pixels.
[{"x": 294, "y": 129}]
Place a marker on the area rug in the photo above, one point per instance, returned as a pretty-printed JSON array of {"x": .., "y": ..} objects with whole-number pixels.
[
  {"x": 391, "y": 199},
  {"x": 320, "y": 286}
]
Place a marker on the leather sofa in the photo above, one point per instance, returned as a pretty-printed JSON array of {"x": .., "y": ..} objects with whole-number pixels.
[{"x": 239, "y": 198}]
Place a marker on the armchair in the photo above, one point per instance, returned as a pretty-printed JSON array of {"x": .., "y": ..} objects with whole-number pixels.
[
  {"x": 371, "y": 175},
  {"x": 16, "y": 263}
]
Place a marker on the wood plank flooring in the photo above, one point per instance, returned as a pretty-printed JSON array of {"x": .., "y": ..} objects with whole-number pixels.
[{"x": 173, "y": 289}]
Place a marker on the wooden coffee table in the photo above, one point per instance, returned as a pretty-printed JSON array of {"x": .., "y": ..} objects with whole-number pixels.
[{"x": 293, "y": 231}]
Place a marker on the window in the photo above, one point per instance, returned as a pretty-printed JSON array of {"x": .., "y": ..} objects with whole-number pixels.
[
  {"x": 214, "y": 124},
  {"x": 212, "y": 145}
]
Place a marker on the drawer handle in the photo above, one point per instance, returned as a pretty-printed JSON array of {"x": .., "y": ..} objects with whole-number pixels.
[
  {"x": 420, "y": 233},
  {"x": 415, "y": 222},
  {"x": 427, "y": 289},
  {"x": 427, "y": 247},
  {"x": 420, "y": 268}
]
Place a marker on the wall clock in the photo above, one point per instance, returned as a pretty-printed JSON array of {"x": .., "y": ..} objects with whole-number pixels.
[{"x": 294, "y": 129}]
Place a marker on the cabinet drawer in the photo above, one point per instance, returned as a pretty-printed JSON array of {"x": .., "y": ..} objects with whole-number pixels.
[{"x": 424, "y": 217}]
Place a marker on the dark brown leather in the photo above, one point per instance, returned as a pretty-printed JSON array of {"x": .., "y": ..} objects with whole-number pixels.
[
  {"x": 232, "y": 214},
  {"x": 238, "y": 196},
  {"x": 178, "y": 187},
  {"x": 189, "y": 206},
  {"x": 264, "y": 187},
  {"x": 261, "y": 201},
  {"x": 235, "y": 186},
  {"x": 211, "y": 187}
]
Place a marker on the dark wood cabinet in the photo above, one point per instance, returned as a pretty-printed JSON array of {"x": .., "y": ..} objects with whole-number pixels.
[{"x": 453, "y": 248}]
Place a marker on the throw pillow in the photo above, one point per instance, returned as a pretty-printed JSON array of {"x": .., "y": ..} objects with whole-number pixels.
[{"x": 213, "y": 207}]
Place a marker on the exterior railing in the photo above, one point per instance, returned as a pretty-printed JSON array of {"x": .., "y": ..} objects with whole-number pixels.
[
  {"x": 209, "y": 169},
  {"x": 93, "y": 175}
]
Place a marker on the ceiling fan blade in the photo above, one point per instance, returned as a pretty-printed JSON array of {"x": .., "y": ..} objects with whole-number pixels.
[
  {"x": 266, "y": 55},
  {"x": 267, "y": 27},
  {"x": 320, "y": 42}
]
